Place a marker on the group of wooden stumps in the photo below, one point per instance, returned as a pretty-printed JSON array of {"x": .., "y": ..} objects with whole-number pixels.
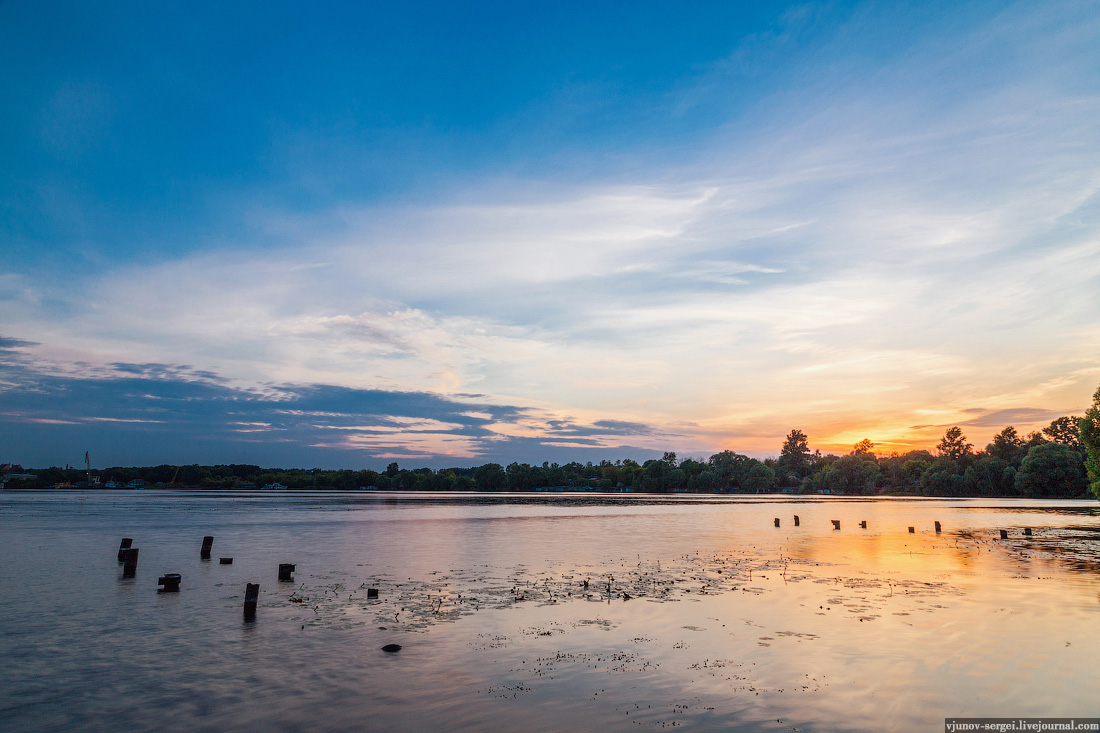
[
  {"x": 912, "y": 530},
  {"x": 170, "y": 582}
]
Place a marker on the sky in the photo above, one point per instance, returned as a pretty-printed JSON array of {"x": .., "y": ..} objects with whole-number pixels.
[{"x": 452, "y": 234}]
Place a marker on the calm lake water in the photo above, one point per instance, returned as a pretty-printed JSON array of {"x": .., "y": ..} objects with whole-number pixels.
[{"x": 699, "y": 613}]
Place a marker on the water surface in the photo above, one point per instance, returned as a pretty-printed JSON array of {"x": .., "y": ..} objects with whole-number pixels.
[{"x": 698, "y": 612}]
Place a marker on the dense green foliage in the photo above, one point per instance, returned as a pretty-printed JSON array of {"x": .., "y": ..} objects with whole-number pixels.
[{"x": 1089, "y": 432}]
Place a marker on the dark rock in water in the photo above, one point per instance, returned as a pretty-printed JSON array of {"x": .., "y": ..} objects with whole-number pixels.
[
  {"x": 372, "y": 592},
  {"x": 391, "y": 648},
  {"x": 225, "y": 560}
]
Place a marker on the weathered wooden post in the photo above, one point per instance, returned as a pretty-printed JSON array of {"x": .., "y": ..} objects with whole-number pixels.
[
  {"x": 836, "y": 523},
  {"x": 225, "y": 560},
  {"x": 863, "y": 524},
  {"x": 937, "y": 527},
  {"x": 796, "y": 520},
  {"x": 1004, "y": 534},
  {"x": 372, "y": 592},
  {"x": 129, "y": 562},
  {"x": 912, "y": 530},
  {"x": 170, "y": 581},
  {"x": 1027, "y": 531},
  {"x": 777, "y": 521},
  {"x": 126, "y": 543},
  {"x": 286, "y": 572},
  {"x": 207, "y": 543},
  {"x": 251, "y": 594}
]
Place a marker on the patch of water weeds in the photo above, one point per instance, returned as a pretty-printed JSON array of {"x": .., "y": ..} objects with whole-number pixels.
[{"x": 416, "y": 604}]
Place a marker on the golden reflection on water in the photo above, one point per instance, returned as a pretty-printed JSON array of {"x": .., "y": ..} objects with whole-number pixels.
[{"x": 697, "y": 614}]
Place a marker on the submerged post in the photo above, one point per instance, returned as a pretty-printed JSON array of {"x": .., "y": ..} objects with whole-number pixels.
[
  {"x": 170, "y": 581},
  {"x": 286, "y": 572},
  {"x": 126, "y": 543},
  {"x": 912, "y": 530},
  {"x": 1004, "y": 534},
  {"x": 1027, "y": 531},
  {"x": 251, "y": 594},
  {"x": 777, "y": 521},
  {"x": 796, "y": 520},
  {"x": 372, "y": 592},
  {"x": 937, "y": 527},
  {"x": 225, "y": 560},
  {"x": 207, "y": 543},
  {"x": 129, "y": 562},
  {"x": 836, "y": 523},
  {"x": 863, "y": 524}
]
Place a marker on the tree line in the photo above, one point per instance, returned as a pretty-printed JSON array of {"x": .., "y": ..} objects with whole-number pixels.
[{"x": 1060, "y": 461}]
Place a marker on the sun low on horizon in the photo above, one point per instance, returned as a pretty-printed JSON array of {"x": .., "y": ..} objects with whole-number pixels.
[{"x": 448, "y": 236}]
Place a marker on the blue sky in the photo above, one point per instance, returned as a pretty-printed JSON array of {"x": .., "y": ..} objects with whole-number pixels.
[{"x": 450, "y": 234}]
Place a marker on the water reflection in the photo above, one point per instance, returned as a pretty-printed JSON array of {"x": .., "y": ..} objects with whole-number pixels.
[{"x": 698, "y": 611}]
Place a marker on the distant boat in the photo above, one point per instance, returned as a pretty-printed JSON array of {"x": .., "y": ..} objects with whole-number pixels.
[{"x": 273, "y": 487}]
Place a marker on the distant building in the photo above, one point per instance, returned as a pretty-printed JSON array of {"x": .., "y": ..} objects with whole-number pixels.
[{"x": 16, "y": 477}]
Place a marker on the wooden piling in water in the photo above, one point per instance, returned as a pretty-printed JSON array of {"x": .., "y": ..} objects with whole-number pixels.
[
  {"x": 1004, "y": 534},
  {"x": 251, "y": 595},
  {"x": 225, "y": 560},
  {"x": 129, "y": 562},
  {"x": 372, "y": 592},
  {"x": 170, "y": 581},
  {"x": 796, "y": 520},
  {"x": 286, "y": 572},
  {"x": 863, "y": 524},
  {"x": 912, "y": 530},
  {"x": 1027, "y": 531},
  {"x": 777, "y": 521},
  {"x": 836, "y": 523},
  {"x": 127, "y": 542},
  {"x": 937, "y": 528},
  {"x": 207, "y": 543}
]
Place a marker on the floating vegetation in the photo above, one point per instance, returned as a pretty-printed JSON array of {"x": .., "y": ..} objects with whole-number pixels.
[{"x": 415, "y": 604}]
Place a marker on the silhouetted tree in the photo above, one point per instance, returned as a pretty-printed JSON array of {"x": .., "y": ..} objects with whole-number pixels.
[
  {"x": 1064, "y": 430},
  {"x": 1008, "y": 446},
  {"x": 794, "y": 457},
  {"x": 953, "y": 445}
]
